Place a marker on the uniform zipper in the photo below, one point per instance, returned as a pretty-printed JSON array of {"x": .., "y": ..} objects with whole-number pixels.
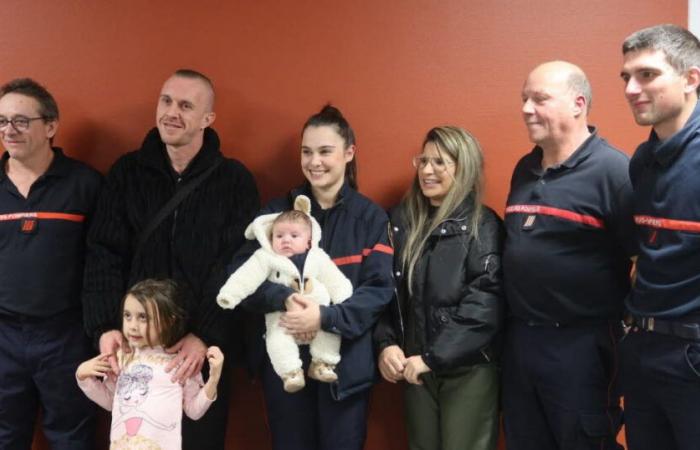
[{"x": 173, "y": 228}]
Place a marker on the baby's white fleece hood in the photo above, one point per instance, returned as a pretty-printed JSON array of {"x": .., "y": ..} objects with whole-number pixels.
[
  {"x": 326, "y": 282},
  {"x": 261, "y": 227}
]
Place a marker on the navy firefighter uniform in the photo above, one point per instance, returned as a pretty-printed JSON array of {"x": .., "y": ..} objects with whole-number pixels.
[
  {"x": 329, "y": 416},
  {"x": 42, "y": 341},
  {"x": 661, "y": 356},
  {"x": 566, "y": 272}
]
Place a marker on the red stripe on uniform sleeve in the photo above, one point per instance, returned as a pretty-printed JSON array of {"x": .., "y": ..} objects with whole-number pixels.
[
  {"x": 357, "y": 259},
  {"x": 61, "y": 216},
  {"x": 42, "y": 216},
  {"x": 667, "y": 224},
  {"x": 343, "y": 260},
  {"x": 556, "y": 212},
  {"x": 383, "y": 249}
]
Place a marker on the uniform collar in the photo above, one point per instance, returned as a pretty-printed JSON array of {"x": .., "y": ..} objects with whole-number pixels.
[
  {"x": 59, "y": 166},
  {"x": 305, "y": 189},
  {"x": 577, "y": 157},
  {"x": 154, "y": 154},
  {"x": 667, "y": 151}
]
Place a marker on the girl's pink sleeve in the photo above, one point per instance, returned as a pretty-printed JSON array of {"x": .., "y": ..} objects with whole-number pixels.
[
  {"x": 100, "y": 392},
  {"x": 194, "y": 401}
]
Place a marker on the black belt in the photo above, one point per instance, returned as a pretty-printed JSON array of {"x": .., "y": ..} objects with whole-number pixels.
[
  {"x": 683, "y": 330},
  {"x": 554, "y": 324}
]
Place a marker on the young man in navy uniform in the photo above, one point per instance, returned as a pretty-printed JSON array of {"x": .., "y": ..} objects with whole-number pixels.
[{"x": 661, "y": 354}]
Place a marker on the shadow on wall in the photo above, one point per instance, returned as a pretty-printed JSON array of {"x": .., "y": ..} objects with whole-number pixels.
[
  {"x": 98, "y": 136},
  {"x": 95, "y": 143}
]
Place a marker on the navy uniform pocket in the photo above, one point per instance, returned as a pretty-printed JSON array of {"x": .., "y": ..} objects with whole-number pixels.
[
  {"x": 692, "y": 358},
  {"x": 599, "y": 430}
]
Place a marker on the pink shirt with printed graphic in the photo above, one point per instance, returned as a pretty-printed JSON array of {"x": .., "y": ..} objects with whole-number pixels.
[{"x": 146, "y": 406}]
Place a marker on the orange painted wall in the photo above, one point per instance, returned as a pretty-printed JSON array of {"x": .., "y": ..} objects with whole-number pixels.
[{"x": 395, "y": 67}]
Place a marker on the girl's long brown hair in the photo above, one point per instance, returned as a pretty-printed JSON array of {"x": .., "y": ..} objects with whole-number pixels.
[{"x": 161, "y": 298}]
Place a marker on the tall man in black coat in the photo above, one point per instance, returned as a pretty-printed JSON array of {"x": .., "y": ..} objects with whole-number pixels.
[{"x": 190, "y": 242}]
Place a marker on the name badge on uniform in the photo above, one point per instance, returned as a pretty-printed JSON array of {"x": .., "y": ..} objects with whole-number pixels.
[
  {"x": 28, "y": 226},
  {"x": 529, "y": 222}
]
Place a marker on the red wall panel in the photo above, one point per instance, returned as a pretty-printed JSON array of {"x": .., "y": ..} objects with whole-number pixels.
[{"x": 395, "y": 68}]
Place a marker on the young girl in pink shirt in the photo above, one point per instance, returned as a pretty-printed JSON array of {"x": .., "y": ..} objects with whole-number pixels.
[{"x": 146, "y": 404}]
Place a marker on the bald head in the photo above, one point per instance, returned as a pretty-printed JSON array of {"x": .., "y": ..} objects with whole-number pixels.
[
  {"x": 569, "y": 75},
  {"x": 204, "y": 80},
  {"x": 556, "y": 98}
]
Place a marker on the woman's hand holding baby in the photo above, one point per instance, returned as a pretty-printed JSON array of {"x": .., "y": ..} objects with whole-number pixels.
[{"x": 305, "y": 319}]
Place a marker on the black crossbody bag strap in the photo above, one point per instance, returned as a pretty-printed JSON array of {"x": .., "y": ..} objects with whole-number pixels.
[{"x": 170, "y": 206}]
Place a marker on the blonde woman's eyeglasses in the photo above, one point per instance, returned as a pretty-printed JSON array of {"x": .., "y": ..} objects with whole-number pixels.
[{"x": 438, "y": 164}]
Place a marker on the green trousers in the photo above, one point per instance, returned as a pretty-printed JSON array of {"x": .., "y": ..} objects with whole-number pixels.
[{"x": 454, "y": 412}]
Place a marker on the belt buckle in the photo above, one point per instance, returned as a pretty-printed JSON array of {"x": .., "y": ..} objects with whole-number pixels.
[{"x": 650, "y": 324}]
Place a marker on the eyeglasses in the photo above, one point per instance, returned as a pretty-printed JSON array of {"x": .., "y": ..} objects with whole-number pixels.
[
  {"x": 439, "y": 164},
  {"x": 19, "y": 123}
]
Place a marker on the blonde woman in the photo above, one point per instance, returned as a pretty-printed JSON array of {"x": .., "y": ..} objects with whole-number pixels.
[{"x": 438, "y": 335}]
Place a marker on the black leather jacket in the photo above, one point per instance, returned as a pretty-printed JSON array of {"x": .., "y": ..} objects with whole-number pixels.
[{"x": 454, "y": 316}]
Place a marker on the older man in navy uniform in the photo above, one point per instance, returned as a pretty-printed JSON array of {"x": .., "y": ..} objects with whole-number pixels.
[{"x": 566, "y": 271}]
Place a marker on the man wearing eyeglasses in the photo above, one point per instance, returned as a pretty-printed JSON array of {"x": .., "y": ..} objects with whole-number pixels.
[
  {"x": 46, "y": 199},
  {"x": 566, "y": 271}
]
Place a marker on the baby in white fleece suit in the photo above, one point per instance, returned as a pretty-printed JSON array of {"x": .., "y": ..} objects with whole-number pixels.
[{"x": 289, "y": 254}]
